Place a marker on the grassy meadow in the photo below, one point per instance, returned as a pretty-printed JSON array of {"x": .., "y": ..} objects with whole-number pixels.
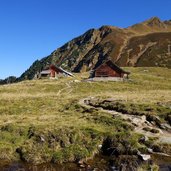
[{"x": 41, "y": 120}]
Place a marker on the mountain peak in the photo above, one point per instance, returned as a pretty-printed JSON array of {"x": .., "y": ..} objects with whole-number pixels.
[{"x": 154, "y": 21}]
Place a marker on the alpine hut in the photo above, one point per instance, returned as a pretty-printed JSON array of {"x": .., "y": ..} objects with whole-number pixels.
[
  {"x": 54, "y": 72},
  {"x": 108, "y": 71}
]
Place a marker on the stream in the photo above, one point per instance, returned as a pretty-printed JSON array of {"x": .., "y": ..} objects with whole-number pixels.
[{"x": 99, "y": 163}]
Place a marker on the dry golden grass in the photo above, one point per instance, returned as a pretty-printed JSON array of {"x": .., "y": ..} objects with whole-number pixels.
[
  {"x": 40, "y": 101},
  {"x": 50, "y": 105}
]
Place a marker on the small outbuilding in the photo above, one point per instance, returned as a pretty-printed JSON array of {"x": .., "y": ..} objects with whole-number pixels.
[
  {"x": 54, "y": 72},
  {"x": 108, "y": 70}
]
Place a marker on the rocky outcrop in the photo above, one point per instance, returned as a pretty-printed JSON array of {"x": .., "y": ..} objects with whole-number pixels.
[{"x": 143, "y": 44}]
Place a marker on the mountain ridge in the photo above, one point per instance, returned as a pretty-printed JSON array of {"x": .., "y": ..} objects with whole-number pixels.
[{"x": 89, "y": 50}]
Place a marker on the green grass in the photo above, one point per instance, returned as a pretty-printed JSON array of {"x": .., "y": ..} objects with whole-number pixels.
[{"x": 51, "y": 108}]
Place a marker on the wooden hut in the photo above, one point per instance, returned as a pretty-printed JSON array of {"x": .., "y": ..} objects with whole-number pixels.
[
  {"x": 109, "y": 71},
  {"x": 54, "y": 72}
]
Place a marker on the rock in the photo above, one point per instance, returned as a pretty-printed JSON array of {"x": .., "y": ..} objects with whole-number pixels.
[
  {"x": 100, "y": 146},
  {"x": 82, "y": 166},
  {"x": 144, "y": 157},
  {"x": 80, "y": 162},
  {"x": 138, "y": 120},
  {"x": 42, "y": 139},
  {"x": 77, "y": 81},
  {"x": 153, "y": 123},
  {"x": 148, "y": 123},
  {"x": 87, "y": 101},
  {"x": 165, "y": 126},
  {"x": 143, "y": 118},
  {"x": 150, "y": 150}
]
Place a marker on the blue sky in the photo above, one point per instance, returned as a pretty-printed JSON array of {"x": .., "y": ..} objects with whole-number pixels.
[{"x": 32, "y": 29}]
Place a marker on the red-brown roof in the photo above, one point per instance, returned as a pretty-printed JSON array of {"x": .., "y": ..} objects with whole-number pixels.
[{"x": 113, "y": 66}]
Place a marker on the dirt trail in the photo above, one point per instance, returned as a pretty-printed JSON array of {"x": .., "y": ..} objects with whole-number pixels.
[{"x": 139, "y": 122}]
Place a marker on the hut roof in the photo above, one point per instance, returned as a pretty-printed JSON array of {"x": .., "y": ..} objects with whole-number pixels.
[
  {"x": 45, "y": 71},
  {"x": 113, "y": 66},
  {"x": 56, "y": 68}
]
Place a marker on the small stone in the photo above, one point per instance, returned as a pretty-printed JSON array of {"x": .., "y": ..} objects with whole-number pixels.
[
  {"x": 145, "y": 157},
  {"x": 150, "y": 150},
  {"x": 82, "y": 166},
  {"x": 80, "y": 162},
  {"x": 77, "y": 81},
  {"x": 100, "y": 146},
  {"x": 42, "y": 139}
]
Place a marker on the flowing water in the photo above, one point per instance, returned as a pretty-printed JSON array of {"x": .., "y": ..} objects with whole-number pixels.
[{"x": 99, "y": 163}]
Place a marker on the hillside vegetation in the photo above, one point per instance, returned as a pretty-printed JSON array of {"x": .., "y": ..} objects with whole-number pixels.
[
  {"x": 144, "y": 44},
  {"x": 43, "y": 121}
]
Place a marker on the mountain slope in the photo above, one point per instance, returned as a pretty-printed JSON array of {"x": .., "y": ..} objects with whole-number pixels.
[{"x": 143, "y": 44}]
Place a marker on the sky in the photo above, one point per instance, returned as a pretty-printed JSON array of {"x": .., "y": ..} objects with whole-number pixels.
[{"x": 32, "y": 29}]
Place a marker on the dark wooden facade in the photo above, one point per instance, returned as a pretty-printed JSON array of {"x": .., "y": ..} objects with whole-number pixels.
[{"x": 109, "y": 69}]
